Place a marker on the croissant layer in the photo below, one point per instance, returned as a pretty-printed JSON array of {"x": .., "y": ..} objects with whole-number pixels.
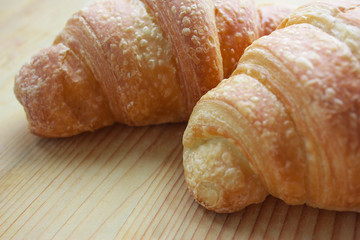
[
  {"x": 136, "y": 62},
  {"x": 287, "y": 117}
]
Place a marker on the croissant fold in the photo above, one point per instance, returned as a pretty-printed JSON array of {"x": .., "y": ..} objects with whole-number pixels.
[
  {"x": 137, "y": 62},
  {"x": 287, "y": 122}
]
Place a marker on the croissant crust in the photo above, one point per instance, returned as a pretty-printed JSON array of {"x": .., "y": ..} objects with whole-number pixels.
[
  {"x": 287, "y": 122},
  {"x": 136, "y": 62}
]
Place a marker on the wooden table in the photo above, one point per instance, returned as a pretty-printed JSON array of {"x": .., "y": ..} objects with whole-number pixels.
[{"x": 119, "y": 182}]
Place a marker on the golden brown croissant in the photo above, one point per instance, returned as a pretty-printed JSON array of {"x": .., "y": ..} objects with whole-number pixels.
[
  {"x": 136, "y": 62},
  {"x": 287, "y": 122}
]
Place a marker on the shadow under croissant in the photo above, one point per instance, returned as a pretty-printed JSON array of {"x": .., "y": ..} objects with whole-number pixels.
[{"x": 273, "y": 219}]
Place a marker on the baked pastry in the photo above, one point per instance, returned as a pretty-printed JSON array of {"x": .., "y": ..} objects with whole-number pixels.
[
  {"x": 287, "y": 122},
  {"x": 136, "y": 62}
]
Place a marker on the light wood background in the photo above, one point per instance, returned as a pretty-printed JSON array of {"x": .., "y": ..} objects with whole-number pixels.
[{"x": 119, "y": 182}]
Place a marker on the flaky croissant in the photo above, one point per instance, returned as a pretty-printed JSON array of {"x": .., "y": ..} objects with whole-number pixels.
[
  {"x": 287, "y": 122},
  {"x": 136, "y": 62}
]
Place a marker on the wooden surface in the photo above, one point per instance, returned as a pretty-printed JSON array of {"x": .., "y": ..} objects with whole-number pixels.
[{"x": 119, "y": 182}]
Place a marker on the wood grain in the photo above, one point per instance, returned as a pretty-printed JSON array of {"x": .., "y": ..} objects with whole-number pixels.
[{"x": 120, "y": 182}]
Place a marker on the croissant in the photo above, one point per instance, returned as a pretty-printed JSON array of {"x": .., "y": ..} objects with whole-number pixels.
[
  {"x": 137, "y": 62},
  {"x": 287, "y": 122}
]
